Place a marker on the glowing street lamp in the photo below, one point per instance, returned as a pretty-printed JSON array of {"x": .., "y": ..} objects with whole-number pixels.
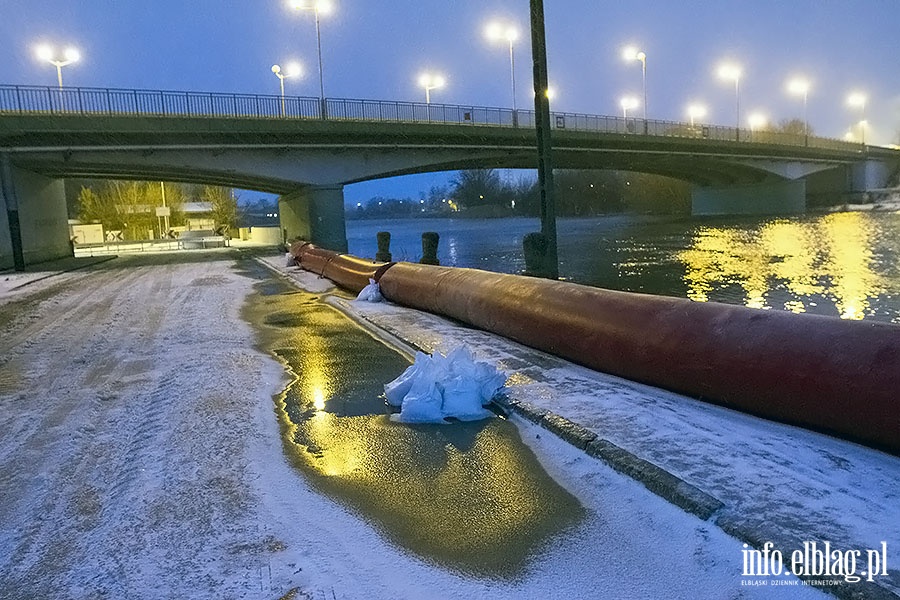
[
  {"x": 696, "y": 111},
  {"x": 506, "y": 33},
  {"x": 858, "y": 100},
  {"x": 756, "y": 121},
  {"x": 291, "y": 70},
  {"x": 628, "y": 103},
  {"x": 800, "y": 87},
  {"x": 430, "y": 81},
  {"x": 632, "y": 53},
  {"x": 731, "y": 71},
  {"x": 46, "y": 53},
  {"x": 318, "y": 7}
]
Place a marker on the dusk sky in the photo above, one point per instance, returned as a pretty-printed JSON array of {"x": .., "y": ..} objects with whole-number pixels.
[{"x": 376, "y": 50}]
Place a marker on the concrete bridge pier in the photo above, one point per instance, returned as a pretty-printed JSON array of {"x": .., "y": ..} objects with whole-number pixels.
[
  {"x": 316, "y": 214},
  {"x": 869, "y": 175},
  {"x": 34, "y": 223},
  {"x": 766, "y": 198}
]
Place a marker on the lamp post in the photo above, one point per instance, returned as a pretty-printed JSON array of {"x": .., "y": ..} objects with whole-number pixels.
[
  {"x": 324, "y": 7},
  {"x": 430, "y": 81},
  {"x": 291, "y": 70},
  {"x": 858, "y": 100},
  {"x": 627, "y": 103},
  {"x": 732, "y": 71},
  {"x": 505, "y": 32},
  {"x": 696, "y": 111},
  {"x": 46, "y": 53},
  {"x": 632, "y": 53},
  {"x": 800, "y": 87},
  {"x": 756, "y": 121}
]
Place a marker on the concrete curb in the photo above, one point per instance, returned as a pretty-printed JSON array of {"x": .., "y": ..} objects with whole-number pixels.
[
  {"x": 659, "y": 481},
  {"x": 691, "y": 499}
]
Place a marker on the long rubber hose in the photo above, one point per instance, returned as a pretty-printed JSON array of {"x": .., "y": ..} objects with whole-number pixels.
[{"x": 823, "y": 373}]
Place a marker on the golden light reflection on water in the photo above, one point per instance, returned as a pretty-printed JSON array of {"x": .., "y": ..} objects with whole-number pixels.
[
  {"x": 469, "y": 495},
  {"x": 831, "y": 257}
]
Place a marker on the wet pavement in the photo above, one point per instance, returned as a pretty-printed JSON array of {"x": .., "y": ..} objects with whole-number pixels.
[
  {"x": 470, "y": 496},
  {"x": 757, "y": 480}
]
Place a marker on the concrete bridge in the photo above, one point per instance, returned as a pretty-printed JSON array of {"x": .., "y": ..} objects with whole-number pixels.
[{"x": 306, "y": 151}]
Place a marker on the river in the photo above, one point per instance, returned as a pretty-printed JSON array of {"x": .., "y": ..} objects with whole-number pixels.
[{"x": 844, "y": 264}]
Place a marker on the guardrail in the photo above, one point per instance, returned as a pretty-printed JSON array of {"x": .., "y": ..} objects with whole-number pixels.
[{"x": 27, "y": 99}]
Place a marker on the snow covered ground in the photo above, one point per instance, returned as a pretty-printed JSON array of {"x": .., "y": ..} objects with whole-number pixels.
[{"x": 141, "y": 458}]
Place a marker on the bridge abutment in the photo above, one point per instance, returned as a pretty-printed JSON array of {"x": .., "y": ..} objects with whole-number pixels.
[
  {"x": 316, "y": 214},
  {"x": 34, "y": 223},
  {"x": 770, "y": 197}
]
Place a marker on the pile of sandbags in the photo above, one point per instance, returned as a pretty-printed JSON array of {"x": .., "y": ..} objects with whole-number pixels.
[{"x": 436, "y": 387}]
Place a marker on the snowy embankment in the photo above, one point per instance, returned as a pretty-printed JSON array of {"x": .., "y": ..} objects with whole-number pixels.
[{"x": 141, "y": 458}]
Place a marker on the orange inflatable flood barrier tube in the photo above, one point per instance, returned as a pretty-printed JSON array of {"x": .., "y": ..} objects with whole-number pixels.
[
  {"x": 831, "y": 375},
  {"x": 347, "y": 271}
]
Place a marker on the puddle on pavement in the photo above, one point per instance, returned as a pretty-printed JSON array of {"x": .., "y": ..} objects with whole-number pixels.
[{"x": 470, "y": 496}]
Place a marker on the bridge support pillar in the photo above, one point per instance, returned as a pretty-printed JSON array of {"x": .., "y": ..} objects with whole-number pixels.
[
  {"x": 34, "y": 223},
  {"x": 772, "y": 197},
  {"x": 869, "y": 175},
  {"x": 315, "y": 214}
]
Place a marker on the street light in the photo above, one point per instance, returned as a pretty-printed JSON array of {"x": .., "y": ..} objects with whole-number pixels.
[
  {"x": 627, "y": 103},
  {"x": 430, "y": 81},
  {"x": 731, "y": 71},
  {"x": 291, "y": 70},
  {"x": 632, "y": 53},
  {"x": 507, "y": 33},
  {"x": 756, "y": 121},
  {"x": 858, "y": 100},
  {"x": 800, "y": 87},
  {"x": 696, "y": 111},
  {"x": 323, "y": 7},
  {"x": 46, "y": 53}
]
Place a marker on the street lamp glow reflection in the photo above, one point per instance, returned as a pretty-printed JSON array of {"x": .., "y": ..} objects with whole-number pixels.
[
  {"x": 47, "y": 53},
  {"x": 430, "y": 81}
]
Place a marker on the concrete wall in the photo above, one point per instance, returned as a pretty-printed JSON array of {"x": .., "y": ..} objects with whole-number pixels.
[
  {"x": 775, "y": 197},
  {"x": 315, "y": 214},
  {"x": 869, "y": 175},
  {"x": 43, "y": 219}
]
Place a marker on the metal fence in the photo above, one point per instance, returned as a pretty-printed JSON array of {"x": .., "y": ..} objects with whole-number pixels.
[{"x": 30, "y": 100}]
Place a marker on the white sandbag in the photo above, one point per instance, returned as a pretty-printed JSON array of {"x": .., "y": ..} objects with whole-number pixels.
[
  {"x": 490, "y": 381},
  {"x": 462, "y": 399},
  {"x": 397, "y": 389},
  {"x": 370, "y": 293},
  {"x": 422, "y": 404},
  {"x": 438, "y": 386}
]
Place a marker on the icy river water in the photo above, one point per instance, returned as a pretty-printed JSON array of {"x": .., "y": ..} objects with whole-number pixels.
[{"x": 841, "y": 264}]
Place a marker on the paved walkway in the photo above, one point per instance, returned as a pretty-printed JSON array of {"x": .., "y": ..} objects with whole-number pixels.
[{"x": 758, "y": 480}]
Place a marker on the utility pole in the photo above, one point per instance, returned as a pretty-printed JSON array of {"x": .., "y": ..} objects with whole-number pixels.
[{"x": 542, "y": 125}]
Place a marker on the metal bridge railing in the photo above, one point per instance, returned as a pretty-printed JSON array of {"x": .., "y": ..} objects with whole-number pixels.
[{"x": 26, "y": 99}]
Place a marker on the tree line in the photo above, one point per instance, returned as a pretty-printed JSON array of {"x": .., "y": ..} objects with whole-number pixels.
[{"x": 578, "y": 193}]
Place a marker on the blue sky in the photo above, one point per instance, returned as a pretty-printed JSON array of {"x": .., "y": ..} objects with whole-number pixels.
[{"x": 377, "y": 49}]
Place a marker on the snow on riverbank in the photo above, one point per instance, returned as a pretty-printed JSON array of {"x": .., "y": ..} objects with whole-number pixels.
[{"x": 142, "y": 458}]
